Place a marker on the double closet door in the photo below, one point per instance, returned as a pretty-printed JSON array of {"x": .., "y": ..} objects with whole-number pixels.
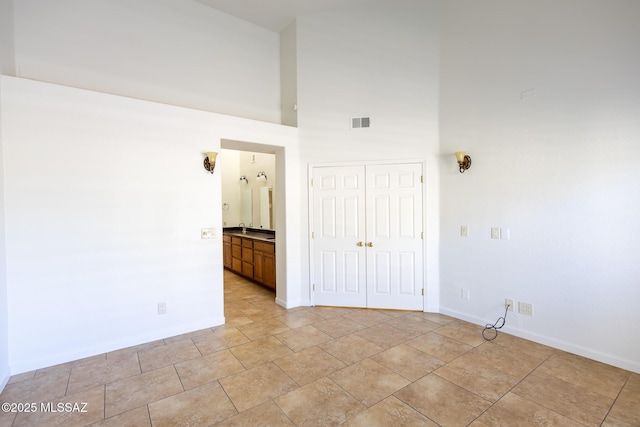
[{"x": 367, "y": 247}]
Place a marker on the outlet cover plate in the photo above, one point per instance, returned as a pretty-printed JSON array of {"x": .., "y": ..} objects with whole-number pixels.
[
  {"x": 525, "y": 308},
  {"x": 495, "y": 233},
  {"x": 508, "y": 302}
]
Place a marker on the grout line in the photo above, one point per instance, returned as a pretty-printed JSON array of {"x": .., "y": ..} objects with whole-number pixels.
[
  {"x": 617, "y": 396},
  {"x": 66, "y": 389},
  {"x": 517, "y": 384},
  {"x": 179, "y": 378},
  {"x": 104, "y": 402},
  {"x": 148, "y": 413}
]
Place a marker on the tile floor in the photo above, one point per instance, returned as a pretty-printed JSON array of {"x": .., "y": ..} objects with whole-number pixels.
[{"x": 329, "y": 366}]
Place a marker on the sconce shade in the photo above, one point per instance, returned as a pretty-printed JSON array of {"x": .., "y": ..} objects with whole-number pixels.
[
  {"x": 464, "y": 160},
  {"x": 243, "y": 180},
  {"x": 210, "y": 161},
  {"x": 261, "y": 176}
]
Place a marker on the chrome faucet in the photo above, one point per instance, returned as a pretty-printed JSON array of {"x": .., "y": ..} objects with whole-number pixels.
[{"x": 244, "y": 228}]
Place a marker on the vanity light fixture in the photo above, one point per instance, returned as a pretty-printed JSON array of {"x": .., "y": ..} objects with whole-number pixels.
[
  {"x": 464, "y": 160},
  {"x": 210, "y": 161},
  {"x": 243, "y": 180},
  {"x": 261, "y": 176}
]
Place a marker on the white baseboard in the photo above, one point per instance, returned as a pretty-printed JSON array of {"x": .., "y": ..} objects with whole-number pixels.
[
  {"x": 81, "y": 353},
  {"x": 432, "y": 309},
  {"x": 292, "y": 304},
  {"x": 551, "y": 342},
  {"x": 4, "y": 378}
]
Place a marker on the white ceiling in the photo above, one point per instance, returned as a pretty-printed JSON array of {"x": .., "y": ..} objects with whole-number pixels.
[{"x": 276, "y": 15}]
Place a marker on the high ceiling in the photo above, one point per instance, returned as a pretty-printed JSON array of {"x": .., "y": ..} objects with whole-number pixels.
[{"x": 275, "y": 15}]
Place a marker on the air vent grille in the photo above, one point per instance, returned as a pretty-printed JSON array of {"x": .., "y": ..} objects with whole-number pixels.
[{"x": 360, "y": 122}]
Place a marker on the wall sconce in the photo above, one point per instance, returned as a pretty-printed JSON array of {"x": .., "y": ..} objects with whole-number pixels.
[
  {"x": 464, "y": 160},
  {"x": 261, "y": 176},
  {"x": 210, "y": 161},
  {"x": 243, "y": 180}
]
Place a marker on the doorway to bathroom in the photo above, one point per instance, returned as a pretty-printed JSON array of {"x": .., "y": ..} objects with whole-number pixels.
[{"x": 249, "y": 212}]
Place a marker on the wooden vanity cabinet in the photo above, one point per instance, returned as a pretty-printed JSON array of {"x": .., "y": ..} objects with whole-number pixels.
[
  {"x": 253, "y": 259},
  {"x": 264, "y": 267}
]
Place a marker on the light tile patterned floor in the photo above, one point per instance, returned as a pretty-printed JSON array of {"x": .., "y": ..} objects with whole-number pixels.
[{"x": 322, "y": 366}]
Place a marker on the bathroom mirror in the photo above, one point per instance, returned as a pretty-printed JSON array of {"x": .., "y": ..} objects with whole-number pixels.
[
  {"x": 266, "y": 208},
  {"x": 246, "y": 198},
  {"x": 246, "y": 215}
]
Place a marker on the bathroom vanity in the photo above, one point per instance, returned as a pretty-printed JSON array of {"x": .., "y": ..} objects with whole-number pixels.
[{"x": 251, "y": 253}]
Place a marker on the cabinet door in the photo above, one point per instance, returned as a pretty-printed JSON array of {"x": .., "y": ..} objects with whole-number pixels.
[
  {"x": 226, "y": 250},
  {"x": 236, "y": 257},
  {"x": 247, "y": 270},
  {"x": 236, "y": 251},
  {"x": 247, "y": 255},
  {"x": 258, "y": 266},
  {"x": 269, "y": 270},
  {"x": 236, "y": 265}
]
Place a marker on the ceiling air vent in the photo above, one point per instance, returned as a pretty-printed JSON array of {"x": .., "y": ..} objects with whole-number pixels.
[{"x": 360, "y": 122}]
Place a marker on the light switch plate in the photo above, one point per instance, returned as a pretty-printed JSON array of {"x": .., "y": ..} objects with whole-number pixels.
[
  {"x": 208, "y": 233},
  {"x": 504, "y": 234}
]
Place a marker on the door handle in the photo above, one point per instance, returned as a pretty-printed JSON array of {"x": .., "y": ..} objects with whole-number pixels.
[
  {"x": 370, "y": 244},
  {"x": 360, "y": 244}
]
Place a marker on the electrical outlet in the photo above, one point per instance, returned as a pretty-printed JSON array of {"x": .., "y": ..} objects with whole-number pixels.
[
  {"x": 495, "y": 232},
  {"x": 464, "y": 293},
  {"x": 162, "y": 308},
  {"x": 525, "y": 308},
  {"x": 508, "y": 303}
]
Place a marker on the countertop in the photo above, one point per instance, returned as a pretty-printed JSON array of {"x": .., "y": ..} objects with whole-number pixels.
[{"x": 252, "y": 233}]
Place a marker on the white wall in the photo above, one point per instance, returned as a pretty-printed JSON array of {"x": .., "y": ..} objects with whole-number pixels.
[
  {"x": 289, "y": 75},
  {"x": 560, "y": 170},
  {"x": 380, "y": 61},
  {"x": 104, "y": 198},
  {"x": 7, "y": 67},
  {"x": 178, "y": 52},
  {"x": 7, "y": 54},
  {"x": 4, "y": 316},
  {"x": 107, "y": 224}
]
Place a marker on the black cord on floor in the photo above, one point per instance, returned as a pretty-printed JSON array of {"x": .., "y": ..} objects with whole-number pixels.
[{"x": 495, "y": 327}]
